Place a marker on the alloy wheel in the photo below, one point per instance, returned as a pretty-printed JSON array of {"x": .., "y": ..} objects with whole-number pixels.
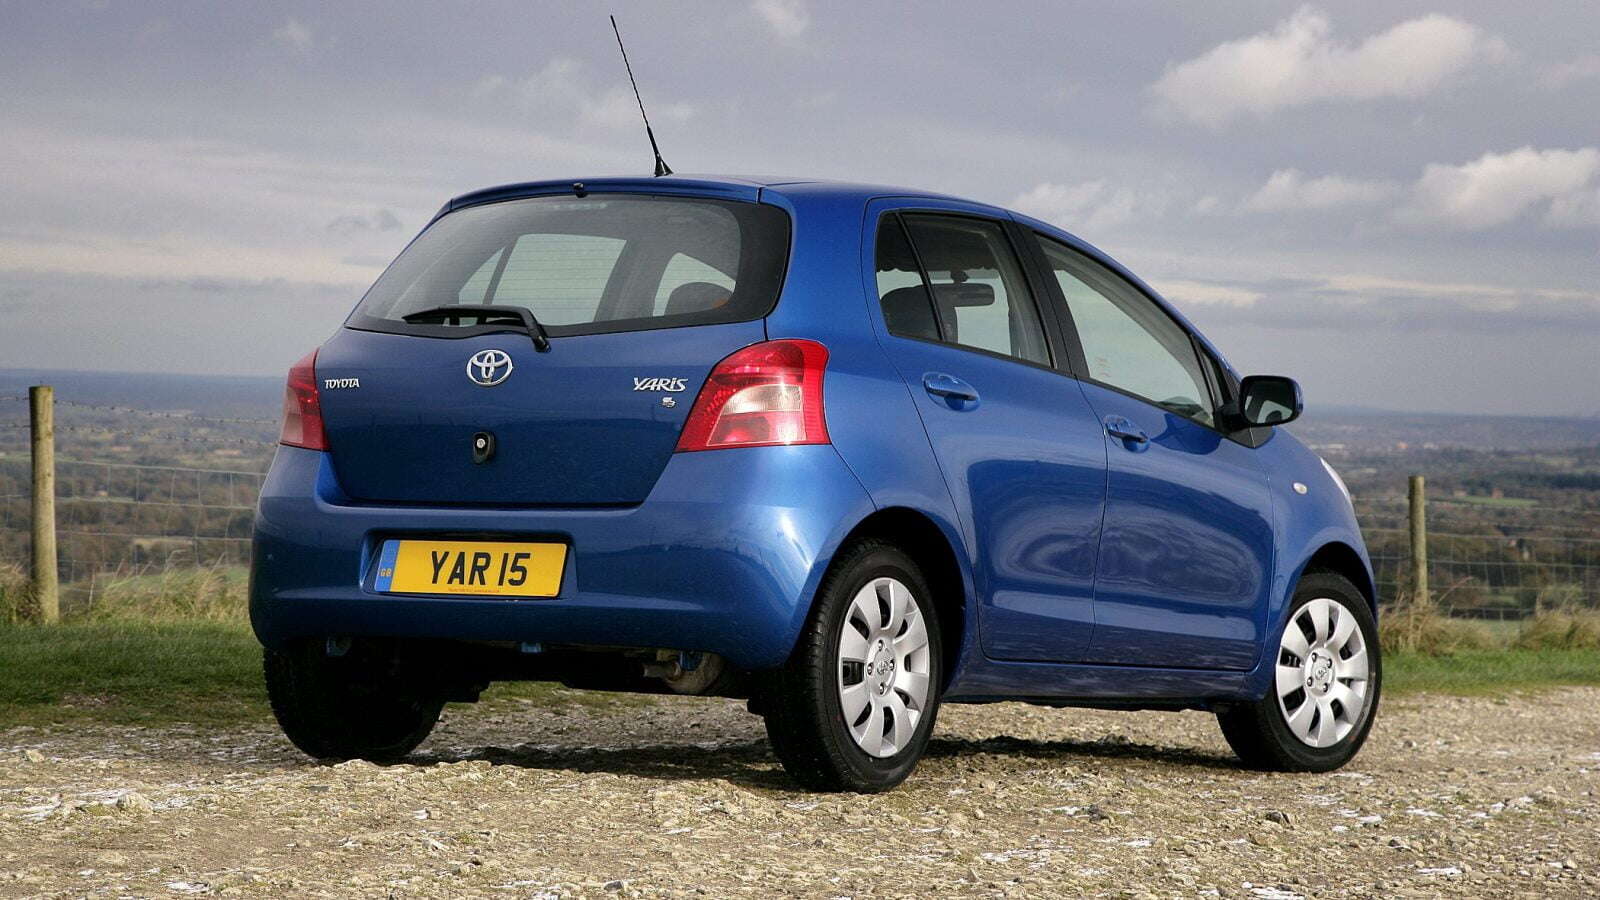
[
  {"x": 1323, "y": 673},
  {"x": 884, "y": 662}
]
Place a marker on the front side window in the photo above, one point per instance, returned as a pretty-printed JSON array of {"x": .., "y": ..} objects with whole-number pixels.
[
  {"x": 602, "y": 263},
  {"x": 1129, "y": 342},
  {"x": 979, "y": 297}
]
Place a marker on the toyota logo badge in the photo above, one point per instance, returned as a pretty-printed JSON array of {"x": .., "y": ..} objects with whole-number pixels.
[{"x": 488, "y": 368}]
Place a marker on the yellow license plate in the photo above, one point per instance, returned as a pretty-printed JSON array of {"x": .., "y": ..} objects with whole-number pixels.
[{"x": 475, "y": 568}]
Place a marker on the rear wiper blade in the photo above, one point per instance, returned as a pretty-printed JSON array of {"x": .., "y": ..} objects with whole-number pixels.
[{"x": 487, "y": 314}]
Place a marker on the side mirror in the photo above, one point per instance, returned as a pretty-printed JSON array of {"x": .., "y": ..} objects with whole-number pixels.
[{"x": 1268, "y": 400}]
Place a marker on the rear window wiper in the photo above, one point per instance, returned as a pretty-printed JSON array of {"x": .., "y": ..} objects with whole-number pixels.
[{"x": 486, "y": 314}]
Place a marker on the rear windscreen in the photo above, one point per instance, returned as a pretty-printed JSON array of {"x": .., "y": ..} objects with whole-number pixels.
[{"x": 602, "y": 263}]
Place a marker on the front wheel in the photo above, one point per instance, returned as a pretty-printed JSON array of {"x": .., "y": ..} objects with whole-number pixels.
[
  {"x": 1327, "y": 675},
  {"x": 855, "y": 705}
]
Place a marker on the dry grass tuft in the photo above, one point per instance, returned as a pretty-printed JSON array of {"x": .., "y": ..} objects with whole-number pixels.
[
  {"x": 179, "y": 593},
  {"x": 1410, "y": 628},
  {"x": 16, "y": 593},
  {"x": 1568, "y": 629}
]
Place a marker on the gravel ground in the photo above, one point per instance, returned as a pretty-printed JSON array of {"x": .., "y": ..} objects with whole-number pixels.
[{"x": 1482, "y": 797}]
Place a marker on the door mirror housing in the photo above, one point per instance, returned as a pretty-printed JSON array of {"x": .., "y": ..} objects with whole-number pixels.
[{"x": 1267, "y": 400}]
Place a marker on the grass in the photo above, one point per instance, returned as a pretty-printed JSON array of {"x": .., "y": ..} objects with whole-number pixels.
[
  {"x": 168, "y": 672},
  {"x": 176, "y": 594},
  {"x": 175, "y": 647},
  {"x": 1499, "y": 671},
  {"x": 130, "y": 673},
  {"x": 15, "y": 592}
]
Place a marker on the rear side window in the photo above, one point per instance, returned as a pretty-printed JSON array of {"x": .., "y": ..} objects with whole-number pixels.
[
  {"x": 907, "y": 309},
  {"x": 602, "y": 263},
  {"x": 969, "y": 291}
]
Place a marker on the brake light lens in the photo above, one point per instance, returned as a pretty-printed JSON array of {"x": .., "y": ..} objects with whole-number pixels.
[
  {"x": 766, "y": 394},
  {"x": 302, "y": 407}
]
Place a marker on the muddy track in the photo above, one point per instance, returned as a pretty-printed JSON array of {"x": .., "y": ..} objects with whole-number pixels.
[{"x": 1482, "y": 797}]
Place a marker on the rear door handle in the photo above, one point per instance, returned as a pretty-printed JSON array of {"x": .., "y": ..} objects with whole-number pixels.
[
  {"x": 949, "y": 387},
  {"x": 1121, "y": 427}
]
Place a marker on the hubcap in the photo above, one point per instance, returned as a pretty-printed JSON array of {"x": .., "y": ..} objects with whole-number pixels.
[
  {"x": 1323, "y": 673},
  {"x": 884, "y": 662}
]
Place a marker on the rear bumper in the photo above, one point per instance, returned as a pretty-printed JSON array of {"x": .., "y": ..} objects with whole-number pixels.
[{"x": 723, "y": 557}]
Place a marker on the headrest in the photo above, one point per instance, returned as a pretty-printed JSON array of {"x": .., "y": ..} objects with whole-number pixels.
[{"x": 696, "y": 296}]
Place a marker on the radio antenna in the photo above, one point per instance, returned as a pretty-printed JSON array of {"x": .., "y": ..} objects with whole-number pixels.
[{"x": 661, "y": 165}]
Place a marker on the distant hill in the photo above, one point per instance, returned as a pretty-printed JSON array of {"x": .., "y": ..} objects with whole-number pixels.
[
  {"x": 1357, "y": 429},
  {"x": 1374, "y": 430},
  {"x": 208, "y": 395}
]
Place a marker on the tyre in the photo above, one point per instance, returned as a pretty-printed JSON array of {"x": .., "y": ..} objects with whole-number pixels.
[
  {"x": 1328, "y": 674},
  {"x": 853, "y": 708},
  {"x": 354, "y": 706}
]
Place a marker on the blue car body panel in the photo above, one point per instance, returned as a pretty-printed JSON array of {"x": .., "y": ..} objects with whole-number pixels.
[
  {"x": 1184, "y": 571},
  {"x": 1091, "y": 572},
  {"x": 697, "y": 567},
  {"x": 1024, "y": 463}
]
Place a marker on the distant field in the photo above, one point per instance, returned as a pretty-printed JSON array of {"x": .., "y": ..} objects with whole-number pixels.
[{"x": 1497, "y": 502}]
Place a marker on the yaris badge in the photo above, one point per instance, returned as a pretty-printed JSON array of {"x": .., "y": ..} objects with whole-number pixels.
[{"x": 488, "y": 368}]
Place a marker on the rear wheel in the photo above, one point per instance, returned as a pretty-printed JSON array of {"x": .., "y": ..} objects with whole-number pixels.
[
  {"x": 853, "y": 709},
  {"x": 1327, "y": 675},
  {"x": 358, "y": 705}
]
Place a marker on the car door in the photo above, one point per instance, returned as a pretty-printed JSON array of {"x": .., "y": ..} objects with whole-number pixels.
[
  {"x": 1183, "y": 571},
  {"x": 1019, "y": 448}
]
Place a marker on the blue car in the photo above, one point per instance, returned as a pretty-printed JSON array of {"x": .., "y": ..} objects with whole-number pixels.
[{"x": 846, "y": 451}]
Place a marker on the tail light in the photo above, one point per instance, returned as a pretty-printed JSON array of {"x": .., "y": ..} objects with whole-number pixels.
[
  {"x": 763, "y": 395},
  {"x": 302, "y": 407}
]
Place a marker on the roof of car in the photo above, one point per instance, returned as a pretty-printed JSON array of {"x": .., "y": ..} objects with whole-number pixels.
[
  {"x": 750, "y": 188},
  {"x": 733, "y": 186}
]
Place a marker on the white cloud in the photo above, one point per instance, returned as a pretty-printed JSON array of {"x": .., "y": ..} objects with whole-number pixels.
[
  {"x": 295, "y": 35},
  {"x": 1496, "y": 188},
  {"x": 562, "y": 88},
  {"x": 1575, "y": 210},
  {"x": 1086, "y": 206},
  {"x": 617, "y": 108},
  {"x": 788, "y": 19},
  {"x": 488, "y": 85},
  {"x": 1584, "y": 68},
  {"x": 1206, "y": 293},
  {"x": 1289, "y": 189},
  {"x": 382, "y": 220},
  {"x": 1488, "y": 294},
  {"x": 1299, "y": 62}
]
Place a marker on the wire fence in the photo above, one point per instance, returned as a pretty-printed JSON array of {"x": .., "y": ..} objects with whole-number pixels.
[
  {"x": 1489, "y": 557},
  {"x": 164, "y": 507},
  {"x": 125, "y": 517}
]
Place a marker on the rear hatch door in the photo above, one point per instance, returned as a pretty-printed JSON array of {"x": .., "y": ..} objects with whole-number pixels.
[
  {"x": 592, "y": 422},
  {"x": 640, "y": 295}
]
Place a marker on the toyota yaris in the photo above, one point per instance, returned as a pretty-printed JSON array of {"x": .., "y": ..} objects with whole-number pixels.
[{"x": 848, "y": 452}]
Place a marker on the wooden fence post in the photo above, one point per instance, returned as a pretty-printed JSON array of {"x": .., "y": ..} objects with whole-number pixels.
[
  {"x": 46, "y": 580},
  {"x": 1419, "y": 542}
]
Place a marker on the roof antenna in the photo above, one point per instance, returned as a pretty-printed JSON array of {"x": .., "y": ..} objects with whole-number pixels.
[{"x": 661, "y": 165}]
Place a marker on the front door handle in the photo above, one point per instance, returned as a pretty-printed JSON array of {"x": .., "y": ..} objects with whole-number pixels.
[
  {"x": 1121, "y": 427},
  {"x": 949, "y": 387}
]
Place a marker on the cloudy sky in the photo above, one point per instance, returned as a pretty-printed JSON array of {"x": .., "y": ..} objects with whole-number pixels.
[{"x": 1398, "y": 202}]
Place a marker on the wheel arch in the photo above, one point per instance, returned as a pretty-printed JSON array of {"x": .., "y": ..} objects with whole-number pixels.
[
  {"x": 1339, "y": 558},
  {"x": 921, "y": 538}
]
